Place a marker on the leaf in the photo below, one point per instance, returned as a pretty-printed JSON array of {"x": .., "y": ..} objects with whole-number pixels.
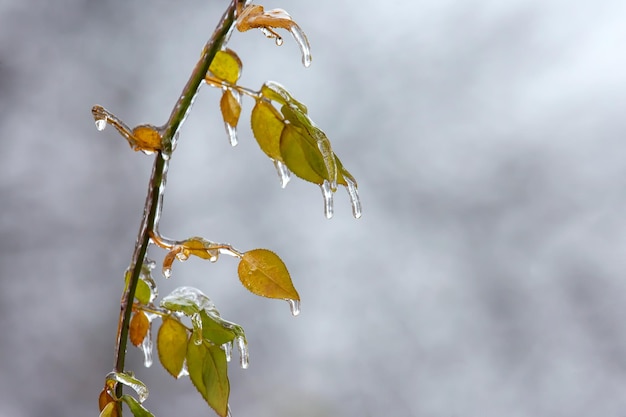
[
  {"x": 142, "y": 292},
  {"x": 231, "y": 109},
  {"x": 267, "y": 125},
  {"x": 146, "y": 138},
  {"x": 201, "y": 248},
  {"x": 213, "y": 331},
  {"x": 138, "y": 328},
  {"x": 209, "y": 374},
  {"x": 130, "y": 381},
  {"x": 172, "y": 345},
  {"x": 110, "y": 410},
  {"x": 301, "y": 157},
  {"x": 263, "y": 273},
  {"x": 276, "y": 92},
  {"x": 137, "y": 409},
  {"x": 226, "y": 66},
  {"x": 104, "y": 399}
]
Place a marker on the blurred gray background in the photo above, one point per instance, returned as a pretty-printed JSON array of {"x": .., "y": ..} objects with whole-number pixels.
[{"x": 485, "y": 278}]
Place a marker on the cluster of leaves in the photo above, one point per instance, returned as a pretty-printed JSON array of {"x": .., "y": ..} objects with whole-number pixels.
[{"x": 193, "y": 339}]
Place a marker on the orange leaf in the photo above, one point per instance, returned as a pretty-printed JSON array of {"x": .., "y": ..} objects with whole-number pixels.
[{"x": 138, "y": 328}]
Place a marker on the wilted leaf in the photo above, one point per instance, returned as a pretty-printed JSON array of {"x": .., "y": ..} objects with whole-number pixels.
[
  {"x": 137, "y": 409},
  {"x": 267, "y": 126},
  {"x": 214, "y": 331},
  {"x": 172, "y": 345},
  {"x": 208, "y": 372},
  {"x": 110, "y": 410},
  {"x": 263, "y": 273},
  {"x": 200, "y": 247},
  {"x": 226, "y": 66},
  {"x": 231, "y": 109},
  {"x": 138, "y": 328},
  {"x": 104, "y": 399}
]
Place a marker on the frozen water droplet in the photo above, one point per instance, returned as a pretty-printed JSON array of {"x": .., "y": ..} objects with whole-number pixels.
[
  {"x": 354, "y": 198},
  {"x": 101, "y": 124},
  {"x": 232, "y": 134},
  {"x": 166, "y": 156},
  {"x": 303, "y": 43},
  {"x": 283, "y": 173},
  {"x": 167, "y": 272},
  {"x": 182, "y": 256},
  {"x": 196, "y": 322},
  {"x": 328, "y": 199},
  {"x": 228, "y": 349},
  {"x": 242, "y": 346},
  {"x": 279, "y": 41},
  {"x": 294, "y": 305},
  {"x": 146, "y": 348}
]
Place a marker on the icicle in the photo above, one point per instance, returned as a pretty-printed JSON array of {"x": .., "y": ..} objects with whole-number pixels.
[
  {"x": 283, "y": 173},
  {"x": 242, "y": 346},
  {"x": 232, "y": 134},
  {"x": 323, "y": 144},
  {"x": 229, "y": 413},
  {"x": 354, "y": 198},
  {"x": 146, "y": 348},
  {"x": 328, "y": 199},
  {"x": 101, "y": 124},
  {"x": 303, "y": 43},
  {"x": 183, "y": 371},
  {"x": 228, "y": 349},
  {"x": 294, "y": 305},
  {"x": 130, "y": 381}
]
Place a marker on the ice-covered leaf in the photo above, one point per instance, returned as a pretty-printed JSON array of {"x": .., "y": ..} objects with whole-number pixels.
[
  {"x": 208, "y": 372},
  {"x": 301, "y": 156},
  {"x": 110, "y": 410},
  {"x": 267, "y": 126},
  {"x": 187, "y": 300},
  {"x": 138, "y": 328},
  {"x": 172, "y": 340},
  {"x": 226, "y": 66},
  {"x": 274, "y": 91},
  {"x": 135, "y": 407},
  {"x": 142, "y": 292},
  {"x": 263, "y": 273},
  {"x": 231, "y": 109},
  {"x": 214, "y": 330},
  {"x": 130, "y": 381},
  {"x": 147, "y": 138},
  {"x": 254, "y": 16}
]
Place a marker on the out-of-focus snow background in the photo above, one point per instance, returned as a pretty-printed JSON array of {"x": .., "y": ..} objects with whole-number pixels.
[{"x": 485, "y": 278}]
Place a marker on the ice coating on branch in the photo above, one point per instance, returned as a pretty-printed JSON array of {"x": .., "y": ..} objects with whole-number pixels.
[
  {"x": 242, "y": 346},
  {"x": 354, "y": 198},
  {"x": 146, "y": 348},
  {"x": 294, "y": 305},
  {"x": 327, "y": 192},
  {"x": 283, "y": 173},
  {"x": 130, "y": 381},
  {"x": 303, "y": 44}
]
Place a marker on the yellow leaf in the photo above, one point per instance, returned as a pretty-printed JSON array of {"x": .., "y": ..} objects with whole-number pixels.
[
  {"x": 172, "y": 345},
  {"x": 267, "y": 125},
  {"x": 110, "y": 410},
  {"x": 231, "y": 109},
  {"x": 146, "y": 138},
  {"x": 138, "y": 328},
  {"x": 263, "y": 273},
  {"x": 301, "y": 157},
  {"x": 226, "y": 66}
]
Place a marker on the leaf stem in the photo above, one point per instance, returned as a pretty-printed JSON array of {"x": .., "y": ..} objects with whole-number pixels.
[{"x": 157, "y": 180}]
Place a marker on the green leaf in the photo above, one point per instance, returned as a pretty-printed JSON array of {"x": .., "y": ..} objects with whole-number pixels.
[
  {"x": 172, "y": 345},
  {"x": 263, "y": 273},
  {"x": 226, "y": 66},
  {"x": 181, "y": 301},
  {"x": 142, "y": 292},
  {"x": 276, "y": 92},
  {"x": 214, "y": 330},
  {"x": 137, "y": 409},
  {"x": 208, "y": 372},
  {"x": 301, "y": 157},
  {"x": 267, "y": 125}
]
